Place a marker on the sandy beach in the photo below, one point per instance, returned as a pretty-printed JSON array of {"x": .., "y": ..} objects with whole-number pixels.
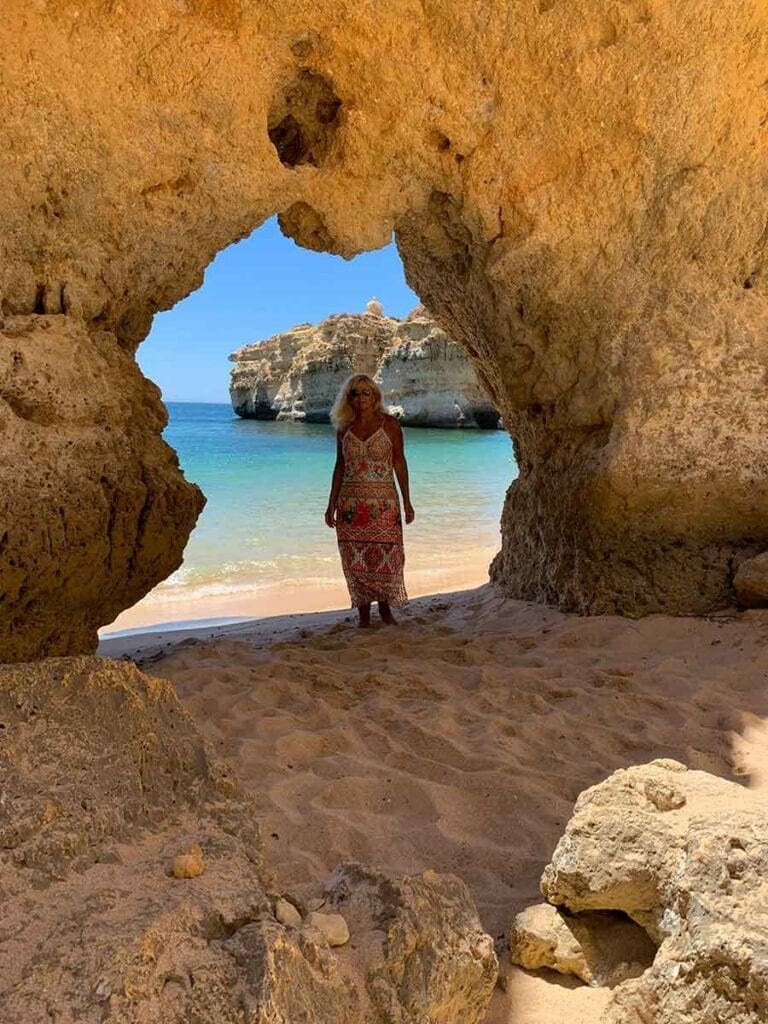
[
  {"x": 459, "y": 740},
  {"x": 400, "y": 291},
  {"x": 168, "y": 606}
]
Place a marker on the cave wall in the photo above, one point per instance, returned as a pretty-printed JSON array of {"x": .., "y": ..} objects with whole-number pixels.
[{"x": 578, "y": 195}]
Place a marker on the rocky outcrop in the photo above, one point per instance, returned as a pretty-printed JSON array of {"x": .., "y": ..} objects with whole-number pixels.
[
  {"x": 426, "y": 380},
  {"x": 133, "y": 889},
  {"x": 297, "y": 375},
  {"x": 105, "y": 781},
  {"x": 426, "y": 955},
  {"x": 92, "y": 498},
  {"x": 685, "y": 855},
  {"x": 581, "y": 216}
]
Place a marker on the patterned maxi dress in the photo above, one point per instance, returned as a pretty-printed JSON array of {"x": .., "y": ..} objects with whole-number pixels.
[{"x": 368, "y": 523}]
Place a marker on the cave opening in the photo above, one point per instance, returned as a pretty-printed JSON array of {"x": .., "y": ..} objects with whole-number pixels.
[{"x": 248, "y": 373}]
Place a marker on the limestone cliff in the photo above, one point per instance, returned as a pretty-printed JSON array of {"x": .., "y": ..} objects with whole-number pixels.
[
  {"x": 578, "y": 195},
  {"x": 426, "y": 379}
]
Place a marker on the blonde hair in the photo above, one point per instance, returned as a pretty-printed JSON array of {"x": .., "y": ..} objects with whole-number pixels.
[{"x": 342, "y": 413}]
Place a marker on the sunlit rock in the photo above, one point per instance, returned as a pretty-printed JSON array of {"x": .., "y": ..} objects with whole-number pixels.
[
  {"x": 693, "y": 872},
  {"x": 576, "y": 195},
  {"x": 426, "y": 954},
  {"x": 751, "y": 581},
  {"x": 426, "y": 379}
]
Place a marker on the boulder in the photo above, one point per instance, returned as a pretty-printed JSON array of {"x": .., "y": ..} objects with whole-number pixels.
[
  {"x": 188, "y": 864},
  {"x": 333, "y": 927},
  {"x": 287, "y": 914},
  {"x": 602, "y": 948},
  {"x": 426, "y": 955},
  {"x": 685, "y": 854}
]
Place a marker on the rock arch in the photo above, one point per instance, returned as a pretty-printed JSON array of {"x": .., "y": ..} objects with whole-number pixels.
[{"x": 578, "y": 193}]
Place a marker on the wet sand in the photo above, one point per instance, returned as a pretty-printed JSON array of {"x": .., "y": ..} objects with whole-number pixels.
[{"x": 177, "y": 605}]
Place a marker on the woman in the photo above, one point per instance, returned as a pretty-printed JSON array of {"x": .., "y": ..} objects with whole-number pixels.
[{"x": 363, "y": 505}]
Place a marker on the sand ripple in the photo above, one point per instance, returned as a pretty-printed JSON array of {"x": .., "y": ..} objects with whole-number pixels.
[{"x": 460, "y": 740}]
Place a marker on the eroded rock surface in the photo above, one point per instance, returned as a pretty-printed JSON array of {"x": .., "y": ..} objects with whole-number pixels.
[
  {"x": 583, "y": 217},
  {"x": 105, "y": 785},
  {"x": 599, "y": 947},
  {"x": 425, "y": 954},
  {"x": 93, "y": 506},
  {"x": 426, "y": 379},
  {"x": 686, "y": 855}
]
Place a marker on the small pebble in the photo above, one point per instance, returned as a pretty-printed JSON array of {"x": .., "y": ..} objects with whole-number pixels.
[
  {"x": 333, "y": 926},
  {"x": 287, "y": 914},
  {"x": 189, "y": 864}
]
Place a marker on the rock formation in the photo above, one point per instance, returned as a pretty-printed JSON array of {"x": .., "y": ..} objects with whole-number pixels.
[
  {"x": 92, "y": 500},
  {"x": 133, "y": 888},
  {"x": 425, "y": 378},
  {"x": 602, "y": 948},
  {"x": 685, "y": 855},
  {"x": 426, "y": 954},
  {"x": 576, "y": 191}
]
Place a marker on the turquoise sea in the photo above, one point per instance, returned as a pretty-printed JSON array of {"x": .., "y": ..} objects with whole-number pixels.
[{"x": 267, "y": 488}]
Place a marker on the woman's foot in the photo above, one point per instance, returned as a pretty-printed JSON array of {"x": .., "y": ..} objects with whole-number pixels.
[
  {"x": 386, "y": 614},
  {"x": 364, "y": 611}
]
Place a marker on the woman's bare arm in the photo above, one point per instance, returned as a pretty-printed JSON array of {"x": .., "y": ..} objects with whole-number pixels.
[
  {"x": 338, "y": 476},
  {"x": 400, "y": 466}
]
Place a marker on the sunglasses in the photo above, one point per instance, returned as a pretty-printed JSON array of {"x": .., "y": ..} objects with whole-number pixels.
[{"x": 355, "y": 393}]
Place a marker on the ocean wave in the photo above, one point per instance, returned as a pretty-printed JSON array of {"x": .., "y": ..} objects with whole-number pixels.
[
  {"x": 225, "y": 588},
  {"x": 272, "y": 569},
  {"x": 241, "y": 576}
]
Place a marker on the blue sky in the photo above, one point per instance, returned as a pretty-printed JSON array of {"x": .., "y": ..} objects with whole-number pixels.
[{"x": 254, "y": 289}]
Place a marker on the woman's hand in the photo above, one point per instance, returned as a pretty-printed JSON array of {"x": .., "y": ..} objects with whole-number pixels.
[
  {"x": 410, "y": 515},
  {"x": 330, "y": 517}
]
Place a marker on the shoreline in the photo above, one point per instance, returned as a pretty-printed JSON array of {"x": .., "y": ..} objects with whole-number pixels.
[
  {"x": 164, "y": 611},
  {"x": 146, "y": 645}
]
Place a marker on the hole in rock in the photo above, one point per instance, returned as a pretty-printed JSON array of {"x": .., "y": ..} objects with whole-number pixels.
[
  {"x": 304, "y": 120},
  {"x": 440, "y": 141},
  {"x": 249, "y": 366}
]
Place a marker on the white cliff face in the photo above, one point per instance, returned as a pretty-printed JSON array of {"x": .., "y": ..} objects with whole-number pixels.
[{"x": 425, "y": 378}]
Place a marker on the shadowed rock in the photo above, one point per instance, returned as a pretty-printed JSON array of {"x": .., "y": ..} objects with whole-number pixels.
[
  {"x": 599, "y": 947},
  {"x": 106, "y": 785}
]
